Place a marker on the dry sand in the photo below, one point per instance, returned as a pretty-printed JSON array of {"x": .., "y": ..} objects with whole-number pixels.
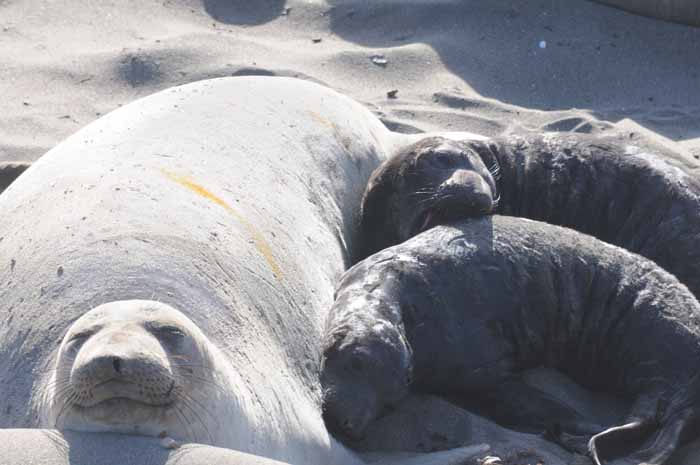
[
  {"x": 472, "y": 65},
  {"x": 457, "y": 64}
]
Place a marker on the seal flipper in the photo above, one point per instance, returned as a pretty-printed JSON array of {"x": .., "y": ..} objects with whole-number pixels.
[
  {"x": 651, "y": 440},
  {"x": 655, "y": 450},
  {"x": 572, "y": 436},
  {"x": 615, "y": 438},
  {"x": 9, "y": 171}
]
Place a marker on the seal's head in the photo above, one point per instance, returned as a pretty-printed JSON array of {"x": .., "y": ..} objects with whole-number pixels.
[
  {"x": 366, "y": 369},
  {"x": 431, "y": 182},
  {"x": 137, "y": 367}
]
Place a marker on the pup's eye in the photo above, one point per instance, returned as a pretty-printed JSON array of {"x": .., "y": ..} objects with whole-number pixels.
[
  {"x": 358, "y": 365},
  {"x": 443, "y": 160}
]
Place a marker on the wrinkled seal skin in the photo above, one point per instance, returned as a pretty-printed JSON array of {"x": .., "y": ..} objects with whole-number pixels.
[
  {"x": 464, "y": 308},
  {"x": 645, "y": 202}
]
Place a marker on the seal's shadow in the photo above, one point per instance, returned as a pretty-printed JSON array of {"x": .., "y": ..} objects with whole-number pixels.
[{"x": 85, "y": 448}]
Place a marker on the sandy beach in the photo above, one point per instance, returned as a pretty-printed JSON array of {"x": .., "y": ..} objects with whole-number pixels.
[{"x": 485, "y": 67}]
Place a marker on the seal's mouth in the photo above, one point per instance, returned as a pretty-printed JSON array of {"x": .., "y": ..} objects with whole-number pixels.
[
  {"x": 348, "y": 417},
  {"x": 452, "y": 211},
  {"x": 118, "y": 415},
  {"x": 426, "y": 220},
  {"x": 121, "y": 403},
  {"x": 435, "y": 216},
  {"x": 120, "y": 412},
  {"x": 105, "y": 393}
]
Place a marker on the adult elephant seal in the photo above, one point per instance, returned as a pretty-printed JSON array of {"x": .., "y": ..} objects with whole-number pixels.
[
  {"x": 167, "y": 269},
  {"x": 463, "y": 309},
  {"x": 645, "y": 202}
]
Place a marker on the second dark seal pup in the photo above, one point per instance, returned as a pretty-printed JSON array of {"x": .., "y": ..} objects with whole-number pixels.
[
  {"x": 642, "y": 201},
  {"x": 463, "y": 309}
]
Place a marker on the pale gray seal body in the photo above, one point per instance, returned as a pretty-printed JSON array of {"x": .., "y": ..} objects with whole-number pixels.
[
  {"x": 463, "y": 309},
  {"x": 226, "y": 206},
  {"x": 229, "y": 201},
  {"x": 644, "y": 201}
]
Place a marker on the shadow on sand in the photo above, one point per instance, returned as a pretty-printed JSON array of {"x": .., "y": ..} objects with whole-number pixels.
[
  {"x": 548, "y": 56},
  {"x": 244, "y": 12}
]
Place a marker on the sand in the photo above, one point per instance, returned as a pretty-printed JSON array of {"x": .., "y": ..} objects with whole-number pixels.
[{"x": 489, "y": 67}]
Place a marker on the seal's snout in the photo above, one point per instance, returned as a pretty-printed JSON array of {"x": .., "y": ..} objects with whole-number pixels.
[
  {"x": 464, "y": 194},
  {"x": 126, "y": 363},
  {"x": 466, "y": 190},
  {"x": 356, "y": 428},
  {"x": 348, "y": 412},
  {"x": 463, "y": 178},
  {"x": 460, "y": 187}
]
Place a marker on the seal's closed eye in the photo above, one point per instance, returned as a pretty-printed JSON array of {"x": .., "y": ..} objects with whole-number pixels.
[
  {"x": 82, "y": 336},
  {"x": 171, "y": 336},
  {"x": 357, "y": 364},
  {"x": 441, "y": 160},
  {"x": 171, "y": 333}
]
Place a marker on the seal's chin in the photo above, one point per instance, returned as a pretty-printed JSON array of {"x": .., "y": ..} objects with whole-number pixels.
[
  {"x": 119, "y": 406},
  {"x": 436, "y": 215},
  {"x": 120, "y": 410},
  {"x": 119, "y": 415},
  {"x": 426, "y": 220}
]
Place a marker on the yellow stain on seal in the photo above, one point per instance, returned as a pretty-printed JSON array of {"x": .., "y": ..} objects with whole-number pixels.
[
  {"x": 322, "y": 120},
  {"x": 336, "y": 132},
  {"x": 260, "y": 243}
]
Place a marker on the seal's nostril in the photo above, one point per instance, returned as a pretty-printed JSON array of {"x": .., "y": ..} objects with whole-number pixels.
[{"x": 117, "y": 364}]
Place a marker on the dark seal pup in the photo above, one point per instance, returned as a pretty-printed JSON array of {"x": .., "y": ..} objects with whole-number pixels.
[
  {"x": 464, "y": 308},
  {"x": 645, "y": 202}
]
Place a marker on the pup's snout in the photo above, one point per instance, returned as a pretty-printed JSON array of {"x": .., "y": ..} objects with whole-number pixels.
[{"x": 466, "y": 181}]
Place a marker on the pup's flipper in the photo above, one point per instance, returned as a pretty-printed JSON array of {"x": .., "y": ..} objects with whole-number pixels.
[{"x": 639, "y": 442}]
